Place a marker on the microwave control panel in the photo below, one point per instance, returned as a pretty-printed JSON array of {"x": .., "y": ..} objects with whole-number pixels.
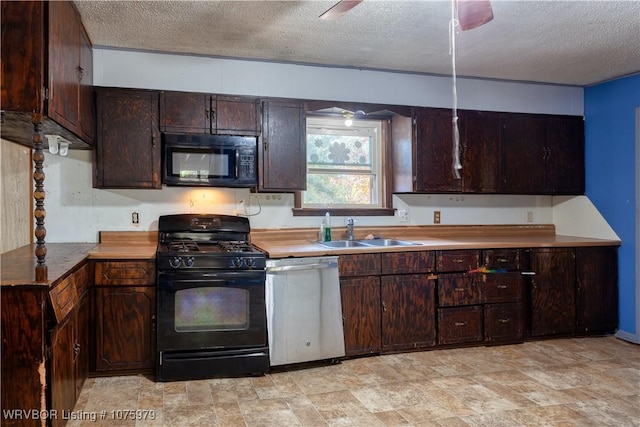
[{"x": 247, "y": 164}]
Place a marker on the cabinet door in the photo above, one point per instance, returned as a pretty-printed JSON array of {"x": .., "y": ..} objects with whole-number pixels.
[
  {"x": 128, "y": 143},
  {"x": 22, "y": 69},
  {"x": 408, "y": 312},
  {"x": 284, "y": 162},
  {"x": 522, "y": 163},
  {"x": 553, "y": 292},
  {"x": 361, "y": 314},
  {"x": 565, "y": 155},
  {"x": 237, "y": 116},
  {"x": 433, "y": 145},
  {"x": 63, "y": 389},
  {"x": 64, "y": 64},
  {"x": 81, "y": 342},
  {"x": 184, "y": 112},
  {"x": 597, "y": 299},
  {"x": 87, "y": 122},
  {"x": 480, "y": 135},
  {"x": 125, "y": 337}
]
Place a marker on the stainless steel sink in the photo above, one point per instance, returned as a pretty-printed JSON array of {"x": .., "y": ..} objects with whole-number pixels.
[
  {"x": 388, "y": 242},
  {"x": 341, "y": 244},
  {"x": 364, "y": 243}
]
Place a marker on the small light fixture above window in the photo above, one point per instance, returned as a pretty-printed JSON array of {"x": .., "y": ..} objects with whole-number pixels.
[{"x": 348, "y": 118}]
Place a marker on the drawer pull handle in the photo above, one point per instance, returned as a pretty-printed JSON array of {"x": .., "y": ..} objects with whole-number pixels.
[
  {"x": 504, "y": 320},
  {"x": 460, "y": 289},
  {"x": 502, "y": 286},
  {"x": 457, "y": 261},
  {"x": 460, "y": 323},
  {"x": 502, "y": 260}
]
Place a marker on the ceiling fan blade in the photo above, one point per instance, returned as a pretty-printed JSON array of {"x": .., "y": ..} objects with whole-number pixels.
[
  {"x": 339, "y": 9},
  {"x": 473, "y": 13}
]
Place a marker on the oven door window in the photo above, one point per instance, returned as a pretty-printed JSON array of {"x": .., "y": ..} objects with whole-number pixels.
[
  {"x": 212, "y": 309},
  {"x": 202, "y": 164}
]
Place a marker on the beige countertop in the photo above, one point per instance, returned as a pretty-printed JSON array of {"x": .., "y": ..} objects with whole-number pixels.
[
  {"x": 299, "y": 243},
  {"x": 18, "y": 266}
]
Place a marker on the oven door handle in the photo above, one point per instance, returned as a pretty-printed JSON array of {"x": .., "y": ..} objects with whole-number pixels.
[{"x": 299, "y": 267}]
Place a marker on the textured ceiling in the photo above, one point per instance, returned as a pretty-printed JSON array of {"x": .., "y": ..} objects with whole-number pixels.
[{"x": 564, "y": 42}]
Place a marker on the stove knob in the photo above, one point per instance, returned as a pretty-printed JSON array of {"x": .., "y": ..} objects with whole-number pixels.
[
  {"x": 236, "y": 262},
  {"x": 189, "y": 262},
  {"x": 250, "y": 262},
  {"x": 175, "y": 262}
]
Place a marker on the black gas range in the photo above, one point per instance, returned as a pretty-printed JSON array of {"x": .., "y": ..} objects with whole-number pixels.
[{"x": 211, "y": 298}]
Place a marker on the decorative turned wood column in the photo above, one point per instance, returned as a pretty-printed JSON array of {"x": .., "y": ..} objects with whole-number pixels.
[{"x": 38, "y": 194}]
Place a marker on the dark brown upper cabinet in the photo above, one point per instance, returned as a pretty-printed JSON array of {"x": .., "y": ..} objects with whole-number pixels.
[
  {"x": 432, "y": 152},
  {"x": 283, "y": 147},
  {"x": 47, "y": 68},
  {"x": 565, "y": 172},
  {"x": 479, "y": 148},
  {"x": 541, "y": 154},
  {"x": 423, "y": 162},
  {"x": 128, "y": 148},
  {"x": 505, "y": 153},
  {"x": 185, "y": 112}
]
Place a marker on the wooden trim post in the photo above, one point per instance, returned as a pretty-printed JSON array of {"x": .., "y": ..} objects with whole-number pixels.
[{"x": 39, "y": 195}]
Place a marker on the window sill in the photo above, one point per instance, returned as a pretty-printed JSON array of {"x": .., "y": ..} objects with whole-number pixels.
[{"x": 344, "y": 212}]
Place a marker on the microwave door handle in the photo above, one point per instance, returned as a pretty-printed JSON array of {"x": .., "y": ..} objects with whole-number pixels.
[{"x": 237, "y": 162}]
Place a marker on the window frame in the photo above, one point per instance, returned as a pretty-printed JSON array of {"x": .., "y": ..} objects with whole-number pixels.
[{"x": 384, "y": 179}]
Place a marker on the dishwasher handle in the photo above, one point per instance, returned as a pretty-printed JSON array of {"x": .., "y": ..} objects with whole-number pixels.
[{"x": 299, "y": 267}]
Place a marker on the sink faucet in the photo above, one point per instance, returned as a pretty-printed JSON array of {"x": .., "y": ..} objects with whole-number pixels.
[{"x": 350, "y": 224}]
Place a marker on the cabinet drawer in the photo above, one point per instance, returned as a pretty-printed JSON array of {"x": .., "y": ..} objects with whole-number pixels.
[
  {"x": 503, "y": 322},
  {"x": 505, "y": 287},
  {"x": 130, "y": 273},
  {"x": 359, "y": 265},
  {"x": 82, "y": 280},
  {"x": 459, "y": 289},
  {"x": 508, "y": 259},
  {"x": 63, "y": 297},
  {"x": 462, "y": 260},
  {"x": 459, "y": 325},
  {"x": 408, "y": 262}
]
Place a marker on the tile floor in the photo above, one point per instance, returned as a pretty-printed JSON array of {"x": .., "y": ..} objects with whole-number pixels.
[{"x": 563, "y": 382}]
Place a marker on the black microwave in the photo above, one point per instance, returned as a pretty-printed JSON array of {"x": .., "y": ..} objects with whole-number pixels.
[{"x": 210, "y": 160}]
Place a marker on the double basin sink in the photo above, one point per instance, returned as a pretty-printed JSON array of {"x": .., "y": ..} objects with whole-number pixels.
[{"x": 337, "y": 244}]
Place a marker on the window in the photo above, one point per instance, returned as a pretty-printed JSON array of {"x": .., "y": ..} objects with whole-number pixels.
[{"x": 344, "y": 164}]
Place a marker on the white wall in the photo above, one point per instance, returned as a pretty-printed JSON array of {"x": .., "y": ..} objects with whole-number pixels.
[
  {"x": 76, "y": 211},
  {"x": 145, "y": 70}
]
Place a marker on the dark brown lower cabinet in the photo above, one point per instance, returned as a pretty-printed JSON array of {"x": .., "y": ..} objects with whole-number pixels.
[
  {"x": 457, "y": 325},
  {"x": 597, "y": 292},
  {"x": 63, "y": 387},
  {"x": 553, "y": 291},
  {"x": 361, "y": 314},
  {"x": 69, "y": 342},
  {"x": 125, "y": 331},
  {"x": 503, "y": 322},
  {"x": 408, "y": 312}
]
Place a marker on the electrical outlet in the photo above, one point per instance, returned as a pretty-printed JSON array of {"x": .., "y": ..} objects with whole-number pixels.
[
  {"x": 403, "y": 215},
  {"x": 529, "y": 216},
  {"x": 135, "y": 218},
  {"x": 436, "y": 217}
]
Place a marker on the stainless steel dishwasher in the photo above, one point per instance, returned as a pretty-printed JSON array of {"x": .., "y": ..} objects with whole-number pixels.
[{"x": 304, "y": 310}]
